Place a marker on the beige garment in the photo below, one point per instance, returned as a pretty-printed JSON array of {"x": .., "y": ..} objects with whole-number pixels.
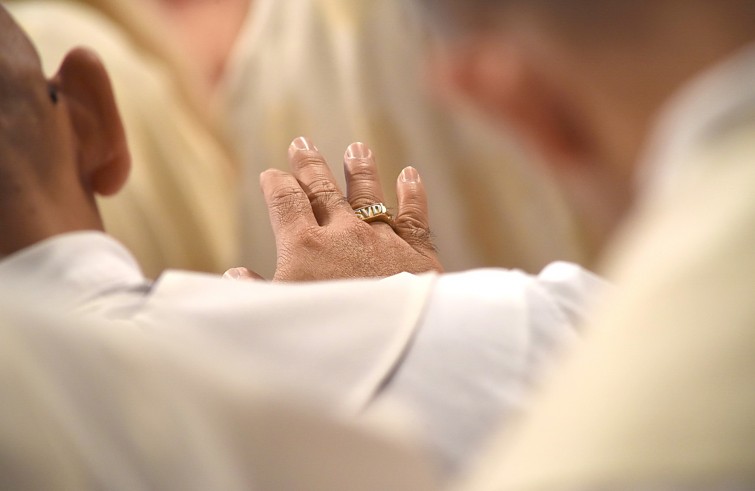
[
  {"x": 89, "y": 406},
  {"x": 340, "y": 71},
  {"x": 179, "y": 208},
  {"x": 664, "y": 394}
]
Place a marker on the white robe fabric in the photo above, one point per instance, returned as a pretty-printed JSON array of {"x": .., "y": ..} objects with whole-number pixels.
[
  {"x": 456, "y": 351},
  {"x": 88, "y": 406},
  {"x": 662, "y": 396}
]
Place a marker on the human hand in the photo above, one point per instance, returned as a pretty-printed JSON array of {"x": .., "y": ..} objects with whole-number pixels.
[
  {"x": 241, "y": 274},
  {"x": 318, "y": 235}
]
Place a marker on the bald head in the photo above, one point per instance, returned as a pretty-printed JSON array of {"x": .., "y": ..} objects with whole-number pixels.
[
  {"x": 61, "y": 141},
  {"x": 18, "y": 53},
  {"x": 22, "y": 84},
  {"x": 26, "y": 111}
]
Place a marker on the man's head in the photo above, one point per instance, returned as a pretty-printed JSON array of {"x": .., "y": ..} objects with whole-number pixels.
[
  {"x": 582, "y": 80},
  {"x": 61, "y": 141}
]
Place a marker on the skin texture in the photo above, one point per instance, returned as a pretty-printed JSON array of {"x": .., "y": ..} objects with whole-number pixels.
[
  {"x": 61, "y": 141},
  {"x": 319, "y": 237}
]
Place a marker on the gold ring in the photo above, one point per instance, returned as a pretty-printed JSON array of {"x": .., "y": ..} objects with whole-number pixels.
[{"x": 374, "y": 213}]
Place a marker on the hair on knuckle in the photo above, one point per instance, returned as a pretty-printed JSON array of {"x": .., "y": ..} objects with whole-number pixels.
[
  {"x": 329, "y": 199},
  {"x": 411, "y": 223},
  {"x": 285, "y": 192},
  {"x": 415, "y": 232},
  {"x": 287, "y": 203},
  {"x": 320, "y": 184}
]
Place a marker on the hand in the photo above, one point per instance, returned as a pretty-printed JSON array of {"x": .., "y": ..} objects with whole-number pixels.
[
  {"x": 319, "y": 237},
  {"x": 241, "y": 274}
]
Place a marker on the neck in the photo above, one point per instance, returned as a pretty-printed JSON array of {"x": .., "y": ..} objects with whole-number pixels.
[{"x": 31, "y": 213}]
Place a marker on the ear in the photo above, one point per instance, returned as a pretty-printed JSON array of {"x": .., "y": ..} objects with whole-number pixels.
[
  {"x": 504, "y": 84},
  {"x": 84, "y": 88}
]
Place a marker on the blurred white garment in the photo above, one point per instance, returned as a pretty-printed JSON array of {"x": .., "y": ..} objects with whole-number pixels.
[
  {"x": 87, "y": 406},
  {"x": 341, "y": 71},
  {"x": 457, "y": 351},
  {"x": 662, "y": 396}
]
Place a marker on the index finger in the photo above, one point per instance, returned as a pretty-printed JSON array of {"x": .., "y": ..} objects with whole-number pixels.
[
  {"x": 317, "y": 180},
  {"x": 287, "y": 203}
]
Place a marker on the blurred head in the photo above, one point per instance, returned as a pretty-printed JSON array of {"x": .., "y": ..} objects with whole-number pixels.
[
  {"x": 206, "y": 33},
  {"x": 61, "y": 141},
  {"x": 581, "y": 81}
]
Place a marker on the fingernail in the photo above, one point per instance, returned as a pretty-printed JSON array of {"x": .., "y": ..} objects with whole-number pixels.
[
  {"x": 410, "y": 175},
  {"x": 302, "y": 144},
  {"x": 232, "y": 274},
  {"x": 358, "y": 150}
]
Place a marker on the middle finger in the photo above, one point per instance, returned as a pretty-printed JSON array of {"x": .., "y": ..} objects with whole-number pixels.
[
  {"x": 362, "y": 180},
  {"x": 314, "y": 175}
]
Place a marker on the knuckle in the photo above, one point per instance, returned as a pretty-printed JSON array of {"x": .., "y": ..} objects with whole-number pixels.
[
  {"x": 328, "y": 199},
  {"x": 287, "y": 202},
  {"x": 307, "y": 159},
  {"x": 412, "y": 218},
  {"x": 284, "y": 193},
  {"x": 363, "y": 170},
  {"x": 320, "y": 183},
  {"x": 415, "y": 232},
  {"x": 321, "y": 191}
]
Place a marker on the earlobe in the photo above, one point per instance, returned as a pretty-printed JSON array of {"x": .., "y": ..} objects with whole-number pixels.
[{"x": 84, "y": 87}]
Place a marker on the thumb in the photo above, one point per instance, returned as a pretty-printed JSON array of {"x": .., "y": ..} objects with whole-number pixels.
[{"x": 241, "y": 274}]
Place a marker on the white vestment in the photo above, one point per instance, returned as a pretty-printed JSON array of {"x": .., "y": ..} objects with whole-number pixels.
[
  {"x": 660, "y": 398},
  {"x": 663, "y": 396},
  {"x": 456, "y": 350},
  {"x": 90, "y": 406}
]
